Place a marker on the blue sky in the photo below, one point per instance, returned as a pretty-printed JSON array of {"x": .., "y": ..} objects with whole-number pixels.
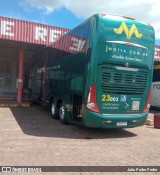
[
  {"x": 19, "y": 10},
  {"x": 69, "y": 13}
]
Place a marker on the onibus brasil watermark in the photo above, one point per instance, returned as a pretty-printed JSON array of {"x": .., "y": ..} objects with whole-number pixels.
[{"x": 39, "y": 169}]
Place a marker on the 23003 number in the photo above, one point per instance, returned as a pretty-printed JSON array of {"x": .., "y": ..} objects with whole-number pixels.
[{"x": 109, "y": 98}]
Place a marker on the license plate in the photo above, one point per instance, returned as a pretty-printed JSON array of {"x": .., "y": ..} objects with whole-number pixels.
[{"x": 121, "y": 123}]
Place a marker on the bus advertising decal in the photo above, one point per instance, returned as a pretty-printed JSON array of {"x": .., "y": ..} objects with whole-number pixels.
[
  {"x": 109, "y": 98},
  {"x": 123, "y": 98},
  {"x": 118, "y": 52},
  {"x": 135, "y": 105},
  {"x": 133, "y": 30},
  {"x": 111, "y": 106}
]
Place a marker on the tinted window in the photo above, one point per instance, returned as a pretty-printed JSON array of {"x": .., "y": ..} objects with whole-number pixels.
[{"x": 156, "y": 75}]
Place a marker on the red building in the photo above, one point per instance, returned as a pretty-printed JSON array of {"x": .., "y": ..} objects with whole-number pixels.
[{"x": 19, "y": 41}]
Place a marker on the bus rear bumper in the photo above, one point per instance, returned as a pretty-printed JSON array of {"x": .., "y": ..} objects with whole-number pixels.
[{"x": 95, "y": 120}]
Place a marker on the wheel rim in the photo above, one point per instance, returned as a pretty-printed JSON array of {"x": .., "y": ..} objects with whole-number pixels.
[
  {"x": 53, "y": 107},
  {"x": 61, "y": 113}
]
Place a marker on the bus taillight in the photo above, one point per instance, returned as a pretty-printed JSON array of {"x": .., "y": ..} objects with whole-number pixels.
[
  {"x": 91, "y": 99},
  {"x": 148, "y": 102}
]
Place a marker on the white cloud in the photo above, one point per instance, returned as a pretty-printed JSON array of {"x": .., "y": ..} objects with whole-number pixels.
[
  {"x": 148, "y": 11},
  {"x": 48, "y": 6}
]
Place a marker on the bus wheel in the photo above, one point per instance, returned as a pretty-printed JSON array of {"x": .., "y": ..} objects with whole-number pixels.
[
  {"x": 62, "y": 114},
  {"x": 54, "y": 111}
]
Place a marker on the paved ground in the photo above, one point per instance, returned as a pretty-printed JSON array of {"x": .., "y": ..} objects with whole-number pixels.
[{"x": 29, "y": 136}]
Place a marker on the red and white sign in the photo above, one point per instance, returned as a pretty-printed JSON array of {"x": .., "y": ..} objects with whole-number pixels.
[
  {"x": 71, "y": 43},
  {"x": 157, "y": 53},
  {"x": 30, "y": 32}
]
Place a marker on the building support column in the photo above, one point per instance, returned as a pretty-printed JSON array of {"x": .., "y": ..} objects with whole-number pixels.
[{"x": 20, "y": 75}]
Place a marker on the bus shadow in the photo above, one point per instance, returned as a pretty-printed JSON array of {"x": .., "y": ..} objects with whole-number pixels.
[{"x": 37, "y": 121}]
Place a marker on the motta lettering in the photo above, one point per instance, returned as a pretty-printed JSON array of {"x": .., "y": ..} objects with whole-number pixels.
[
  {"x": 124, "y": 51},
  {"x": 156, "y": 86},
  {"x": 115, "y": 49}
]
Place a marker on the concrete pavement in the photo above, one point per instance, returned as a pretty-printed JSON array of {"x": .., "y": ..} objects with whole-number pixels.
[{"x": 30, "y": 137}]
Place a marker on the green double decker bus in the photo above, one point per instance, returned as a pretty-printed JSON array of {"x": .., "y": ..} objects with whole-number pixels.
[{"x": 99, "y": 73}]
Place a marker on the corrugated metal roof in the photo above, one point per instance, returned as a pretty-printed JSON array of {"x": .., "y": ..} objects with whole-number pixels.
[{"x": 29, "y": 32}]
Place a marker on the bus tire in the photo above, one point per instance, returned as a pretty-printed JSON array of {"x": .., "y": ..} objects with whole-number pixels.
[
  {"x": 62, "y": 117},
  {"x": 54, "y": 111}
]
